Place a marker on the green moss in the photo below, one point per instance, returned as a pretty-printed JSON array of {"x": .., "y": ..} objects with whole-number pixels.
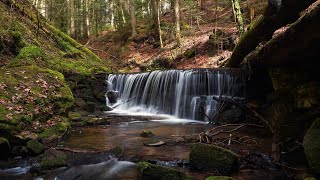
[
  {"x": 56, "y": 131},
  {"x": 310, "y": 178},
  {"x": 117, "y": 151},
  {"x": 53, "y": 159},
  {"x": 146, "y": 133},
  {"x": 74, "y": 115},
  {"x": 211, "y": 157},
  {"x": 3, "y": 112},
  {"x": 30, "y": 55},
  {"x": 151, "y": 171},
  {"x": 219, "y": 178},
  {"x": 4, "y": 141},
  {"x": 35, "y": 146}
]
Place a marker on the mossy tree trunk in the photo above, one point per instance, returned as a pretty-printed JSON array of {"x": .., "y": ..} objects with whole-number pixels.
[
  {"x": 263, "y": 28},
  {"x": 238, "y": 15}
]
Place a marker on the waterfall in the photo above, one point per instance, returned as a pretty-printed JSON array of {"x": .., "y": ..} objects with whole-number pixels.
[{"x": 186, "y": 94}]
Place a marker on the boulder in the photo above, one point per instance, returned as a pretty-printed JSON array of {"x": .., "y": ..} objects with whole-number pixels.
[
  {"x": 35, "y": 146},
  {"x": 311, "y": 144},
  {"x": 4, "y": 148},
  {"x": 112, "y": 96},
  {"x": 146, "y": 133},
  {"x": 53, "y": 159},
  {"x": 156, "y": 172},
  {"x": 211, "y": 158}
]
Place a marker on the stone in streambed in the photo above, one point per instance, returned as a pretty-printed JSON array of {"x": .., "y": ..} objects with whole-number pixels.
[
  {"x": 35, "y": 146},
  {"x": 211, "y": 158},
  {"x": 311, "y": 144},
  {"x": 53, "y": 159},
  {"x": 146, "y": 133},
  {"x": 155, "y": 172}
]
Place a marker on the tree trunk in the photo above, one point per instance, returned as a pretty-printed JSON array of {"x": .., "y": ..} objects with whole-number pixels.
[
  {"x": 157, "y": 20},
  {"x": 263, "y": 28},
  {"x": 238, "y": 15},
  {"x": 133, "y": 18},
  {"x": 177, "y": 22},
  {"x": 85, "y": 20}
]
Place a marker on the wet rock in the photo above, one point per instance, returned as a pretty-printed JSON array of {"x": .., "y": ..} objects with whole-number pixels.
[
  {"x": 4, "y": 148},
  {"x": 311, "y": 144},
  {"x": 146, "y": 133},
  {"x": 20, "y": 151},
  {"x": 211, "y": 158},
  {"x": 117, "y": 151},
  {"x": 35, "y": 147},
  {"x": 219, "y": 178},
  {"x": 53, "y": 158},
  {"x": 153, "y": 142},
  {"x": 155, "y": 172},
  {"x": 112, "y": 96}
]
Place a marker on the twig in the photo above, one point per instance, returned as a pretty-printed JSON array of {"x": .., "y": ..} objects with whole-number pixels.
[{"x": 78, "y": 151}]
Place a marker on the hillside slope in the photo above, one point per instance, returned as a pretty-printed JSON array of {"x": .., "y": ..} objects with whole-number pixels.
[{"x": 43, "y": 75}]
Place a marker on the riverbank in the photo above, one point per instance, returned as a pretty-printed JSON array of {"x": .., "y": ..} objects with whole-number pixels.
[{"x": 119, "y": 136}]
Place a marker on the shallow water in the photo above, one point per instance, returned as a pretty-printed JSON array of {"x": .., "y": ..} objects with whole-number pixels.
[{"x": 127, "y": 136}]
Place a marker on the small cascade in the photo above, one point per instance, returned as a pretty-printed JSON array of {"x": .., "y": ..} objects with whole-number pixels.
[{"x": 187, "y": 94}]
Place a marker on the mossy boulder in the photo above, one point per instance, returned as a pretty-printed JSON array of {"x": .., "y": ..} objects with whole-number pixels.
[
  {"x": 219, "y": 178},
  {"x": 117, "y": 151},
  {"x": 311, "y": 144},
  {"x": 211, "y": 158},
  {"x": 156, "y": 172},
  {"x": 4, "y": 148},
  {"x": 35, "y": 147},
  {"x": 53, "y": 159},
  {"x": 146, "y": 133}
]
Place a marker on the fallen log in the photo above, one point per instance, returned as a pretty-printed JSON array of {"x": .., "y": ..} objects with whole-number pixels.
[
  {"x": 263, "y": 28},
  {"x": 300, "y": 41}
]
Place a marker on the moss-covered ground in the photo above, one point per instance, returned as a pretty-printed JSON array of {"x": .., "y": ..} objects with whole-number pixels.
[{"x": 41, "y": 70}]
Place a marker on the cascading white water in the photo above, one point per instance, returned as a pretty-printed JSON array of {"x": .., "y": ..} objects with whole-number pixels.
[{"x": 185, "y": 94}]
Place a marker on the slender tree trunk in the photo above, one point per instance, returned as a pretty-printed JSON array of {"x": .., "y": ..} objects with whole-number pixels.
[
  {"x": 133, "y": 18},
  {"x": 72, "y": 28},
  {"x": 158, "y": 2},
  {"x": 177, "y": 22},
  {"x": 85, "y": 17},
  {"x": 238, "y": 15}
]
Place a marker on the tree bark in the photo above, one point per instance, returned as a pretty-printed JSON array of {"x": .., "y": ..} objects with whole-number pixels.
[
  {"x": 177, "y": 22},
  {"x": 263, "y": 28},
  {"x": 238, "y": 15},
  {"x": 157, "y": 21},
  {"x": 133, "y": 18}
]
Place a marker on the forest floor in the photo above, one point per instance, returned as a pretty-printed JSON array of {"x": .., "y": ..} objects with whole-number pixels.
[{"x": 198, "y": 50}]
